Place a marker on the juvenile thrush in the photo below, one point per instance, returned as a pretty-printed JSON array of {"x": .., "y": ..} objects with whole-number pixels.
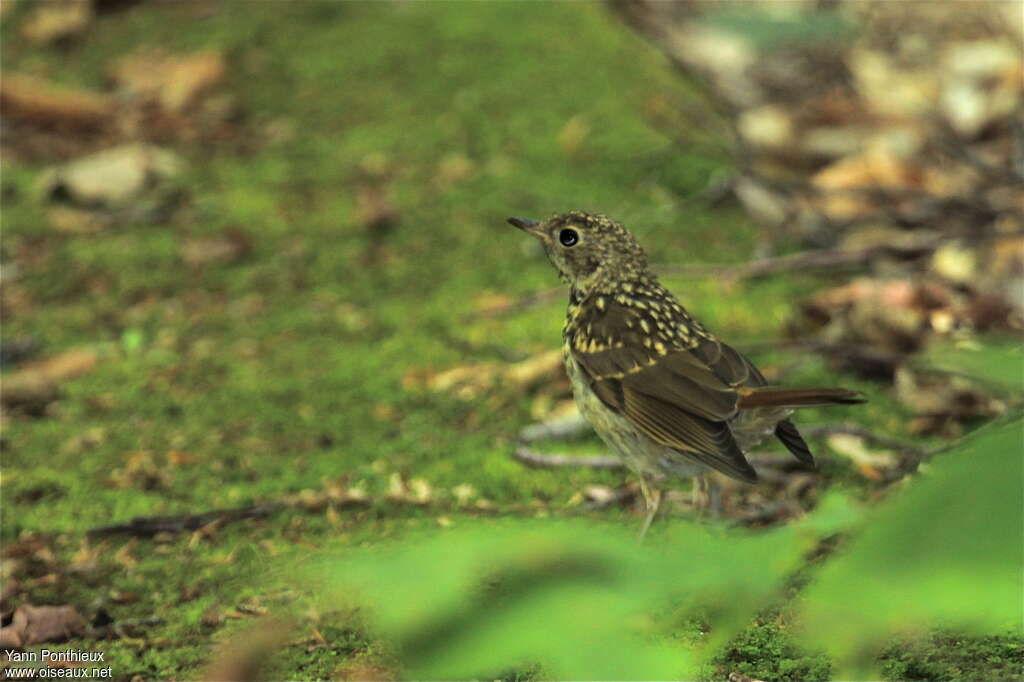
[{"x": 660, "y": 389}]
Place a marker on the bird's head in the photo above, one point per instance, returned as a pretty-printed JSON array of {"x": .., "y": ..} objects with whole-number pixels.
[{"x": 587, "y": 248}]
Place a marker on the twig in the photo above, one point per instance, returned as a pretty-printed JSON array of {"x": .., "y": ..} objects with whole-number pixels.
[
  {"x": 122, "y": 628},
  {"x": 804, "y": 260},
  {"x": 559, "y": 429},
  {"x": 537, "y": 460},
  {"x": 147, "y": 526}
]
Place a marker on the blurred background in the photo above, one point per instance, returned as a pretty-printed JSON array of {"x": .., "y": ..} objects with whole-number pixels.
[{"x": 258, "y": 295}]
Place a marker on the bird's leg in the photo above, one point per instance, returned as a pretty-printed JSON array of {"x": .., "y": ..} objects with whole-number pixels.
[
  {"x": 707, "y": 496},
  {"x": 652, "y": 499}
]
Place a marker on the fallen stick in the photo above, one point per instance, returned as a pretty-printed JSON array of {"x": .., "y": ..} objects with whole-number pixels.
[
  {"x": 147, "y": 526},
  {"x": 540, "y": 461},
  {"x": 805, "y": 260},
  {"x": 562, "y": 428}
]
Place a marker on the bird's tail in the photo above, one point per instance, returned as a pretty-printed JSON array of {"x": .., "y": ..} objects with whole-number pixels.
[{"x": 773, "y": 396}]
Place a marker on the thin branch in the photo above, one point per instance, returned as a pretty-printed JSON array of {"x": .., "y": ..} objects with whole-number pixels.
[
  {"x": 540, "y": 461},
  {"x": 805, "y": 260},
  {"x": 147, "y": 526},
  {"x": 563, "y": 428}
]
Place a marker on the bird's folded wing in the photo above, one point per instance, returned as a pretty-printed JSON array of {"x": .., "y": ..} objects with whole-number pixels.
[
  {"x": 709, "y": 442},
  {"x": 675, "y": 399}
]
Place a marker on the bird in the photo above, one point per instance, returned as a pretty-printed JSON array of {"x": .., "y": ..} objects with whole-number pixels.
[{"x": 661, "y": 390}]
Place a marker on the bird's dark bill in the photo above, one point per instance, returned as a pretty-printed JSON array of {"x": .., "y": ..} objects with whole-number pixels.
[{"x": 524, "y": 224}]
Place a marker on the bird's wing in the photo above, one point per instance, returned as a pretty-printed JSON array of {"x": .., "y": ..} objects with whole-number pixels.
[{"x": 678, "y": 389}]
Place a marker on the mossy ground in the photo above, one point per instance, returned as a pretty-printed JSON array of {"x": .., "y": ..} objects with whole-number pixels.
[{"x": 284, "y": 370}]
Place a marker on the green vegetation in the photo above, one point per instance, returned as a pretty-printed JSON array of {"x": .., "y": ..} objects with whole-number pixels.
[{"x": 228, "y": 384}]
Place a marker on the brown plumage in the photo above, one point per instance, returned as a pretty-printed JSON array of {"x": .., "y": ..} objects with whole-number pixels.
[{"x": 660, "y": 388}]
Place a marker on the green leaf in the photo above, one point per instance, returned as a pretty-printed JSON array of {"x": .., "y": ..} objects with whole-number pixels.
[
  {"x": 948, "y": 551},
  {"x": 574, "y": 596},
  {"x": 997, "y": 362}
]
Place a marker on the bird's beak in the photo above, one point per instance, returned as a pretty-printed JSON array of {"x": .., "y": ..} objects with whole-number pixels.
[{"x": 526, "y": 225}]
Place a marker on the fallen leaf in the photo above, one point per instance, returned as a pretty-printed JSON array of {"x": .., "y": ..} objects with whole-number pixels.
[
  {"x": 228, "y": 247},
  {"x": 36, "y": 385},
  {"x": 464, "y": 492},
  {"x": 140, "y": 471},
  {"x": 542, "y": 367},
  {"x": 177, "y": 458},
  {"x": 943, "y": 401},
  {"x": 33, "y": 625},
  {"x": 244, "y": 657},
  {"x": 870, "y": 463},
  {"x": 174, "y": 82},
  {"x": 112, "y": 178},
  {"x": 77, "y": 221},
  {"x": 56, "y": 21},
  {"x": 599, "y": 494},
  {"x": 374, "y": 208},
  {"x": 47, "y": 105}
]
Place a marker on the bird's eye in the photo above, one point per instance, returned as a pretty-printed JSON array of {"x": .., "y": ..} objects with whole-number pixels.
[{"x": 568, "y": 237}]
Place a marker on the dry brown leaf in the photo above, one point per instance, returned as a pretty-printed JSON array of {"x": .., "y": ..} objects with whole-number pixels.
[
  {"x": 47, "y": 105},
  {"x": 243, "y": 658},
  {"x": 374, "y": 208},
  {"x": 943, "y": 402},
  {"x": 541, "y": 368},
  {"x": 55, "y": 21},
  {"x": 177, "y": 458},
  {"x": 113, "y": 178},
  {"x": 37, "y": 384},
  {"x": 174, "y": 82},
  {"x": 77, "y": 221},
  {"x": 140, "y": 471},
  {"x": 229, "y": 247},
  {"x": 464, "y": 492},
  {"x": 599, "y": 494},
  {"x": 870, "y": 463},
  {"x": 769, "y": 126},
  {"x": 33, "y": 625},
  {"x": 68, "y": 365}
]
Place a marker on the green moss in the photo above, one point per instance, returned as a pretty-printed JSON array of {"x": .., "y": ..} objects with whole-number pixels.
[
  {"x": 947, "y": 656},
  {"x": 766, "y": 651},
  {"x": 277, "y": 373}
]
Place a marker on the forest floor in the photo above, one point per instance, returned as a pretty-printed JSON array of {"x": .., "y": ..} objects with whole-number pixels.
[{"x": 331, "y": 251}]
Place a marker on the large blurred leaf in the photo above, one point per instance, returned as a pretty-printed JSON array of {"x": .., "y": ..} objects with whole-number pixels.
[
  {"x": 998, "y": 362},
  {"x": 949, "y": 551},
  {"x": 573, "y": 596}
]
